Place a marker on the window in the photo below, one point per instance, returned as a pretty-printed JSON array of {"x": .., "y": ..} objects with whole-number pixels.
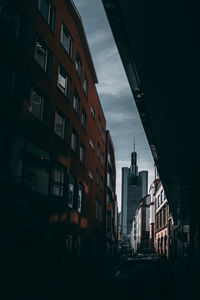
[
  {"x": 80, "y": 197},
  {"x": 71, "y": 190},
  {"x": 59, "y": 125},
  {"x": 84, "y": 119},
  {"x": 101, "y": 183},
  {"x": 58, "y": 181},
  {"x": 48, "y": 11},
  {"x": 38, "y": 105},
  {"x": 102, "y": 158},
  {"x": 99, "y": 124},
  {"x": 92, "y": 111},
  {"x": 79, "y": 66},
  {"x": 158, "y": 200},
  {"x": 43, "y": 56},
  {"x": 76, "y": 103},
  {"x": 97, "y": 177},
  {"x": 98, "y": 209},
  {"x": 64, "y": 82},
  {"x": 11, "y": 19},
  {"x": 90, "y": 174},
  {"x": 103, "y": 135},
  {"x": 92, "y": 144},
  {"x": 98, "y": 150},
  {"x": 160, "y": 218},
  {"x": 161, "y": 197},
  {"x": 74, "y": 141},
  {"x": 164, "y": 216},
  {"x": 82, "y": 153},
  {"x": 67, "y": 40},
  {"x": 85, "y": 85}
]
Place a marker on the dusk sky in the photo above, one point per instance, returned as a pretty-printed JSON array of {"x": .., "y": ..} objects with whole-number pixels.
[{"x": 115, "y": 95}]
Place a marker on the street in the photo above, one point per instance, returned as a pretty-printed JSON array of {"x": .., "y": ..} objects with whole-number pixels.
[{"x": 103, "y": 282}]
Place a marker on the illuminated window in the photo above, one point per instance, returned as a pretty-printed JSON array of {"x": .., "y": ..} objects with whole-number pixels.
[{"x": 64, "y": 82}]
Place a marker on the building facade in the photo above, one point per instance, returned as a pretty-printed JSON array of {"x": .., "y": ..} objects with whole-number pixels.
[
  {"x": 140, "y": 226},
  {"x": 161, "y": 220},
  {"x": 111, "y": 228},
  {"x": 53, "y": 138},
  {"x": 134, "y": 187}
]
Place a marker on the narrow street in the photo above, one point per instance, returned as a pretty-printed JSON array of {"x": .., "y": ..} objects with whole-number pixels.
[
  {"x": 99, "y": 154},
  {"x": 138, "y": 279}
]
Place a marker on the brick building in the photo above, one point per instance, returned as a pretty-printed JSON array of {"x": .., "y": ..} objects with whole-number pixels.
[
  {"x": 111, "y": 199},
  {"x": 53, "y": 138},
  {"x": 161, "y": 219}
]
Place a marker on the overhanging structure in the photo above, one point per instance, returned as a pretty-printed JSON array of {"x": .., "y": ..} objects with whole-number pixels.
[{"x": 158, "y": 45}]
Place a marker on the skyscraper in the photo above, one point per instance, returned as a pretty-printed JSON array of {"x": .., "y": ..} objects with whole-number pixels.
[{"x": 134, "y": 187}]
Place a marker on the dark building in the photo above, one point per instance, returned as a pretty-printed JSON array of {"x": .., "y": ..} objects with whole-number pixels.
[
  {"x": 53, "y": 141},
  {"x": 134, "y": 187},
  {"x": 158, "y": 46}
]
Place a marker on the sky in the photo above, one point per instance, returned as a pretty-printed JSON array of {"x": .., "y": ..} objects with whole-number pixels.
[{"x": 117, "y": 101}]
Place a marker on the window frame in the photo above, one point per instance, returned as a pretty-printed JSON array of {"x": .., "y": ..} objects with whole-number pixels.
[
  {"x": 64, "y": 125},
  {"x": 80, "y": 202},
  {"x": 82, "y": 146},
  {"x": 79, "y": 66},
  {"x": 91, "y": 144},
  {"x": 97, "y": 177},
  {"x": 44, "y": 105},
  {"x": 70, "y": 41},
  {"x": 85, "y": 85},
  {"x": 98, "y": 150},
  {"x": 84, "y": 119},
  {"x": 93, "y": 111},
  {"x": 103, "y": 134},
  {"x": 90, "y": 174},
  {"x": 58, "y": 184},
  {"x": 48, "y": 19},
  {"x": 102, "y": 158},
  {"x": 74, "y": 132},
  {"x": 48, "y": 61},
  {"x": 99, "y": 124},
  {"x": 77, "y": 100},
  {"x": 71, "y": 203},
  {"x": 68, "y": 82}
]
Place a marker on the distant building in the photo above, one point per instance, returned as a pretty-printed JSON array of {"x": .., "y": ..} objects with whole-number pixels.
[
  {"x": 134, "y": 188},
  {"x": 152, "y": 217},
  {"x": 140, "y": 226}
]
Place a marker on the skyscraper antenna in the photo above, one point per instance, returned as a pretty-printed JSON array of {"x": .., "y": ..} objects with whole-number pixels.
[{"x": 134, "y": 145}]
